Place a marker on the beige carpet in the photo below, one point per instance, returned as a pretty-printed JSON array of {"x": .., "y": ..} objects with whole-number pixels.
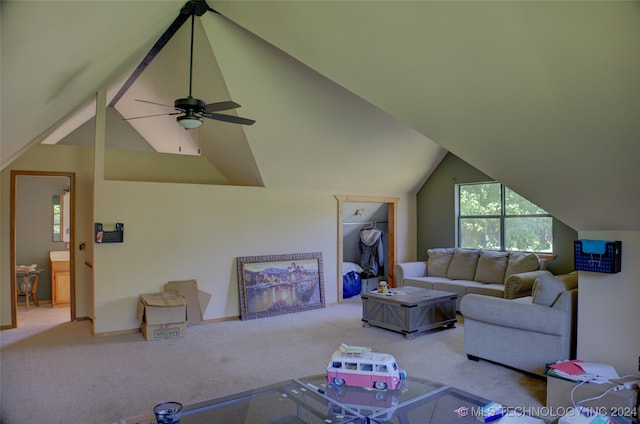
[{"x": 59, "y": 373}]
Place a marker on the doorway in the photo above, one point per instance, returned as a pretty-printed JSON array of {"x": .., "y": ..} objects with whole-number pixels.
[
  {"x": 36, "y": 191},
  {"x": 392, "y": 229}
]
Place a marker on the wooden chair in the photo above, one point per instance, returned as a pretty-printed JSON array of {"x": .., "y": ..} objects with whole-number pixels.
[{"x": 28, "y": 287}]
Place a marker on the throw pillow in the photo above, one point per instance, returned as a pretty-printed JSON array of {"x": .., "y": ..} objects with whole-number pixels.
[
  {"x": 438, "y": 261},
  {"x": 548, "y": 288},
  {"x": 491, "y": 267},
  {"x": 463, "y": 264},
  {"x": 521, "y": 262}
]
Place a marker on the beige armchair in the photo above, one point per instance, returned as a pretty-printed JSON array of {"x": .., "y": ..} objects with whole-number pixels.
[{"x": 524, "y": 333}]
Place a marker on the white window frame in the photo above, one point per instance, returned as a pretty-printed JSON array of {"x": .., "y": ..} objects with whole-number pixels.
[{"x": 502, "y": 215}]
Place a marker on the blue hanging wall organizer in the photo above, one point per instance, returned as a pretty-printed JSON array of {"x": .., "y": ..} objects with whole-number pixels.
[
  {"x": 598, "y": 256},
  {"x": 109, "y": 236}
]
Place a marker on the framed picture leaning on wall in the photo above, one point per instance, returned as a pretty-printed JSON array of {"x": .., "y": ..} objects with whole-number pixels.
[{"x": 279, "y": 284}]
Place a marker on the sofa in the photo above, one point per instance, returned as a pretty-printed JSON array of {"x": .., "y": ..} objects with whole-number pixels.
[
  {"x": 507, "y": 275},
  {"x": 525, "y": 333}
]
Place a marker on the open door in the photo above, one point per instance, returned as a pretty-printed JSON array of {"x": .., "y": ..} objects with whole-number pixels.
[
  {"x": 68, "y": 237},
  {"x": 392, "y": 213}
]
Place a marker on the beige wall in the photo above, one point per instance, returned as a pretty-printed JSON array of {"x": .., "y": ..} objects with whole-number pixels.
[
  {"x": 179, "y": 231},
  {"x": 608, "y": 307}
]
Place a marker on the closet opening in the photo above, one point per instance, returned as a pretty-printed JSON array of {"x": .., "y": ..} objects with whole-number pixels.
[{"x": 367, "y": 242}]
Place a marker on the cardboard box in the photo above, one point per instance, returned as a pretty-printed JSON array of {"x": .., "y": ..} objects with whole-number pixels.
[
  {"x": 162, "y": 315},
  {"x": 197, "y": 300},
  {"x": 163, "y": 331}
]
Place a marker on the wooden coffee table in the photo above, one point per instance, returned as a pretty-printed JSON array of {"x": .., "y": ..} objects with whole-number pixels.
[{"x": 409, "y": 310}]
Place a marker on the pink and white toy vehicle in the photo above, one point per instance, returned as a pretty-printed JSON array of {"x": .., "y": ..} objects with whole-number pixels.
[{"x": 359, "y": 366}]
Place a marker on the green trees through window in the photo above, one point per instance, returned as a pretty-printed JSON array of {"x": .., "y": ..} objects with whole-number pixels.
[{"x": 491, "y": 216}]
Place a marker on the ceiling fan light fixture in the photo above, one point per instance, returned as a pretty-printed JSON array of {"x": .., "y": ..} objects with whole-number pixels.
[{"x": 189, "y": 121}]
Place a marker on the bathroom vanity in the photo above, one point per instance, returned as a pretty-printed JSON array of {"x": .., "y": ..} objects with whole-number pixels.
[{"x": 60, "y": 277}]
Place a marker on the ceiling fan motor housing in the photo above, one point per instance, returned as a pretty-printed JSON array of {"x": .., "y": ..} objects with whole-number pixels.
[
  {"x": 193, "y": 109},
  {"x": 190, "y": 104}
]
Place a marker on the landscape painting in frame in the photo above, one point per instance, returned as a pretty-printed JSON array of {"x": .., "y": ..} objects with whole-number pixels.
[{"x": 279, "y": 284}]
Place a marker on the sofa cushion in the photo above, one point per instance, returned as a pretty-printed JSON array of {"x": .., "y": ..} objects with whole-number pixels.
[
  {"x": 460, "y": 287},
  {"x": 424, "y": 282},
  {"x": 460, "y": 290},
  {"x": 516, "y": 314},
  {"x": 487, "y": 289},
  {"x": 521, "y": 262},
  {"x": 455, "y": 286},
  {"x": 428, "y": 279},
  {"x": 438, "y": 261},
  {"x": 491, "y": 267},
  {"x": 463, "y": 264},
  {"x": 548, "y": 288}
]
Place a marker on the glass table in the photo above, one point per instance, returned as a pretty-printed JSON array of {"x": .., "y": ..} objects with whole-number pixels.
[
  {"x": 286, "y": 402},
  {"x": 448, "y": 405},
  {"x": 311, "y": 400}
]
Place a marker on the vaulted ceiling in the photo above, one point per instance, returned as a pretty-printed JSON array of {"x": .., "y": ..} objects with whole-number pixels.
[{"x": 542, "y": 96}]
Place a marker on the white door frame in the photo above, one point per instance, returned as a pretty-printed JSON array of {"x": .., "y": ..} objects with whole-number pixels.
[{"x": 392, "y": 213}]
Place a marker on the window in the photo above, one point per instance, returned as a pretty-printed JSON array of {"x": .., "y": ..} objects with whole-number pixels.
[
  {"x": 57, "y": 212},
  {"x": 491, "y": 216},
  {"x": 366, "y": 367}
]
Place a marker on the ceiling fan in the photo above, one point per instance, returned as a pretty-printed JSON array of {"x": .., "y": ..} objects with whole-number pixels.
[{"x": 190, "y": 110}]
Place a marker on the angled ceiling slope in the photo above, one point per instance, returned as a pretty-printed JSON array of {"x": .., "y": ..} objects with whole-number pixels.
[
  {"x": 232, "y": 157},
  {"x": 290, "y": 101},
  {"x": 55, "y": 55},
  {"x": 542, "y": 96},
  {"x": 311, "y": 133},
  {"x": 163, "y": 77}
]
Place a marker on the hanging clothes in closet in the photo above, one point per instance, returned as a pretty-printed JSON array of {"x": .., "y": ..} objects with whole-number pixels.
[{"x": 371, "y": 251}]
